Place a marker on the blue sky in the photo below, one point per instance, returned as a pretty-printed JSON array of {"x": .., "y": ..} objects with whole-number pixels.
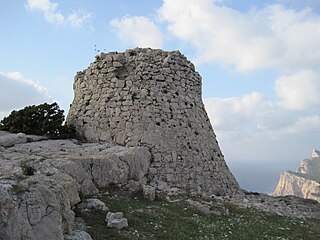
[{"x": 259, "y": 61}]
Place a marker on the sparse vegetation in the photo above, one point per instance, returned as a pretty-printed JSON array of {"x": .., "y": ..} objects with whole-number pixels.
[
  {"x": 44, "y": 119},
  {"x": 27, "y": 169},
  {"x": 178, "y": 220}
]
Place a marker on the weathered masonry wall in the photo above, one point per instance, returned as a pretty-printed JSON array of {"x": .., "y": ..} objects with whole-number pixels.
[{"x": 153, "y": 98}]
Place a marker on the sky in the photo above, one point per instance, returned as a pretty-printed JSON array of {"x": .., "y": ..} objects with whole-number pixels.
[{"x": 259, "y": 61}]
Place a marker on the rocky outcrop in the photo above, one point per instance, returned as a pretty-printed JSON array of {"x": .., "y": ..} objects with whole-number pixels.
[
  {"x": 36, "y": 207},
  {"x": 40, "y": 206},
  {"x": 305, "y": 182},
  {"x": 152, "y": 98}
]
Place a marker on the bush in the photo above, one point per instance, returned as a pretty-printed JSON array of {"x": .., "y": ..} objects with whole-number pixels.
[
  {"x": 44, "y": 119},
  {"x": 27, "y": 169}
]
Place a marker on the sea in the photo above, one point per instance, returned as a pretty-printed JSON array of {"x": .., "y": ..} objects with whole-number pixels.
[{"x": 260, "y": 176}]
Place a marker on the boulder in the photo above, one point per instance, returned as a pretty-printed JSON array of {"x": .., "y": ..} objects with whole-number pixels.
[
  {"x": 78, "y": 235},
  {"x": 93, "y": 204},
  {"x": 34, "y": 208},
  {"x": 138, "y": 160},
  {"x": 108, "y": 169},
  {"x": 116, "y": 220}
]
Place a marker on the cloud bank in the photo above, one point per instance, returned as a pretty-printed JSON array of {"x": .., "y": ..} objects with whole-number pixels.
[
  {"x": 271, "y": 37},
  {"x": 18, "y": 91},
  {"x": 138, "y": 31},
  {"x": 52, "y": 14}
]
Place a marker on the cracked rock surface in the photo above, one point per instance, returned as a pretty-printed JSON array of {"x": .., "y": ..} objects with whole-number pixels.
[{"x": 40, "y": 206}]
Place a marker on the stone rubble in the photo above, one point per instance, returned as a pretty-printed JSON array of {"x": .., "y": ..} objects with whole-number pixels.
[
  {"x": 152, "y": 98},
  {"x": 290, "y": 206}
]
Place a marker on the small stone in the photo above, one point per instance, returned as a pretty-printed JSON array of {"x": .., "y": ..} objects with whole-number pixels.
[
  {"x": 20, "y": 135},
  {"x": 159, "y": 78},
  {"x": 108, "y": 58},
  {"x": 120, "y": 84},
  {"x": 117, "y": 64},
  {"x": 149, "y": 192},
  {"x": 118, "y": 223}
]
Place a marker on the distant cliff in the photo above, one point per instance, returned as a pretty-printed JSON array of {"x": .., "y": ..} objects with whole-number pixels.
[{"x": 305, "y": 182}]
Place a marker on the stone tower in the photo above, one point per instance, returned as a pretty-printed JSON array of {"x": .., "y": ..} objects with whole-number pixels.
[{"x": 147, "y": 97}]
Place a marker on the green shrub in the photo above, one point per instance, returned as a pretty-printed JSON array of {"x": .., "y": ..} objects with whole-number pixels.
[
  {"x": 44, "y": 119},
  {"x": 27, "y": 169}
]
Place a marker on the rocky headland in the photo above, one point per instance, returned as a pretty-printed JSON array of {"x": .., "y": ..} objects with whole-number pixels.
[{"x": 305, "y": 182}]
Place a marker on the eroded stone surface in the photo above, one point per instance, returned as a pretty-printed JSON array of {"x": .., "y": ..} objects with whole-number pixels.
[
  {"x": 152, "y": 98},
  {"x": 39, "y": 206},
  {"x": 34, "y": 208}
]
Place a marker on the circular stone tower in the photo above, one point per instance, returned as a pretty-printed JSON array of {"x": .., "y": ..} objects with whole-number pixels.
[{"x": 147, "y": 97}]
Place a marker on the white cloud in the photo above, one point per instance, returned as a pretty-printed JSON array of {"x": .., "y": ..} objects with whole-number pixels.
[
  {"x": 226, "y": 113},
  {"x": 48, "y": 8},
  {"x": 18, "y": 91},
  {"x": 260, "y": 38},
  {"x": 77, "y": 19},
  {"x": 254, "y": 115},
  {"x": 254, "y": 128},
  {"x": 17, "y": 76},
  {"x": 43, "y": 5},
  {"x": 300, "y": 90},
  {"x": 139, "y": 31},
  {"x": 304, "y": 124},
  {"x": 53, "y": 15}
]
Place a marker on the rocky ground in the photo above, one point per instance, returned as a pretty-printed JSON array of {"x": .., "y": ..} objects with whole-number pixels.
[
  {"x": 42, "y": 180},
  {"x": 185, "y": 217},
  {"x": 44, "y": 183}
]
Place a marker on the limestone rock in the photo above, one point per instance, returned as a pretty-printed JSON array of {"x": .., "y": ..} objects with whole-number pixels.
[
  {"x": 305, "y": 182},
  {"x": 109, "y": 169},
  {"x": 77, "y": 168},
  {"x": 290, "y": 206},
  {"x": 78, "y": 235},
  {"x": 11, "y": 139},
  {"x": 34, "y": 208},
  {"x": 152, "y": 98},
  {"x": 116, "y": 220},
  {"x": 138, "y": 160},
  {"x": 149, "y": 192},
  {"x": 40, "y": 206},
  {"x": 203, "y": 208},
  {"x": 93, "y": 203}
]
